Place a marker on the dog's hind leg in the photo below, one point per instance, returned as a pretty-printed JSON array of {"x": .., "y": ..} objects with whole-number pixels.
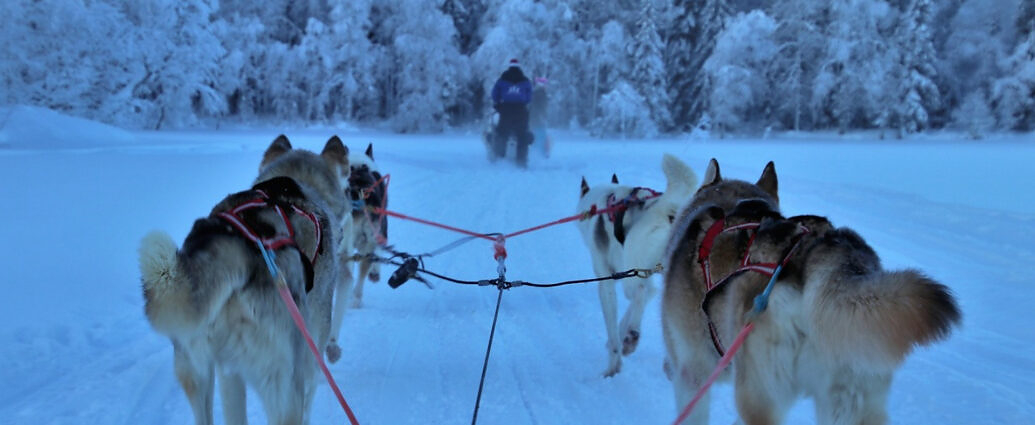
[
  {"x": 609, "y": 305},
  {"x": 357, "y": 292},
  {"x": 686, "y": 380},
  {"x": 233, "y": 395},
  {"x": 638, "y": 291},
  {"x": 758, "y": 403},
  {"x": 286, "y": 391},
  {"x": 375, "y": 272},
  {"x": 342, "y": 298},
  {"x": 854, "y": 399},
  {"x": 197, "y": 382}
]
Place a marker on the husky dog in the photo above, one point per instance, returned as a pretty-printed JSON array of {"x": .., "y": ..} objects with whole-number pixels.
[
  {"x": 371, "y": 228},
  {"x": 367, "y": 190},
  {"x": 631, "y": 236},
  {"x": 837, "y": 325},
  {"x": 216, "y": 299}
]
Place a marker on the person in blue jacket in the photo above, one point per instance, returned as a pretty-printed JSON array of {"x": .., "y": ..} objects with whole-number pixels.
[{"x": 510, "y": 97}]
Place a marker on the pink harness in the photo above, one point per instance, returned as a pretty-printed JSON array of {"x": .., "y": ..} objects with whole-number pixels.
[
  {"x": 704, "y": 252},
  {"x": 233, "y": 216}
]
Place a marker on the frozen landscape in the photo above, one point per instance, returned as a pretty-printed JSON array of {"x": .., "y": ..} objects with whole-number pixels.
[{"x": 76, "y": 348}]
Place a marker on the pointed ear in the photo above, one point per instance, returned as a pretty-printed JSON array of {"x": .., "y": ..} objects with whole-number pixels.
[
  {"x": 585, "y": 188},
  {"x": 614, "y": 178},
  {"x": 370, "y": 151},
  {"x": 768, "y": 180},
  {"x": 279, "y": 146},
  {"x": 335, "y": 152},
  {"x": 712, "y": 175}
]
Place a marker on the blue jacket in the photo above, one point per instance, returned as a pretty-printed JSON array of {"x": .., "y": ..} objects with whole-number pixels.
[{"x": 512, "y": 87}]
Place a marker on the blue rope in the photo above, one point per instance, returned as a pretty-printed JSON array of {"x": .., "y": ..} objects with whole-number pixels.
[
  {"x": 762, "y": 300},
  {"x": 270, "y": 258}
]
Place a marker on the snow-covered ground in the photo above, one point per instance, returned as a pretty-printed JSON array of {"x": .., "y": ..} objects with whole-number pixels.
[{"x": 75, "y": 347}]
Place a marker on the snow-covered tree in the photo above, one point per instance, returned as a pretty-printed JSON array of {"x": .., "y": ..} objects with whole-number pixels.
[
  {"x": 737, "y": 67},
  {"x": 691, "y": 40},
  {"x": 801, "y": 43},
  {"x": 915, "y": 94},
  {"x": 851, "y": 88},
  {"x": 624, "y": 113},
  {"x": 176, "y": 65},
  {"x": 1014, "y": 94},
  {"x": 343, "y": 77},
  {"x": 979, "y": 39},
  {"x": 425, "y": 64},
  {"x": 648, "y": 66},
  {"x": 974, "y": 115}
]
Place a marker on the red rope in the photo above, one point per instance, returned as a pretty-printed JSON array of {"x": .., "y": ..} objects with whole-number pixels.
[
  {"x": 723, "y": 363},
  {"x": 499, "y": 251},
  {"x": 285, "y": 294},
  {"x": 543, "y": 226},
  {"x": 434, "y": 224},
  {"x": 579, "y": 216}
]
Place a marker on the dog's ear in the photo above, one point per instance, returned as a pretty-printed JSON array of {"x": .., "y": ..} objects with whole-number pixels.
[
  {"x": 336, "y": 154},
  {"x": 767, "y": 182},
  {"x": 370, "y": 151},
  {"x": 279, "y": 146},
  {"x": 712, "y": 175},
  {"x": 585, "y": 187},
  {"x": 614, "y": 178}
]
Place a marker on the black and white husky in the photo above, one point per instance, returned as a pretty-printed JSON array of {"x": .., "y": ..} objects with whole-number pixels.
[
  {"x": 631, "y": 235},
  {"x": 367, "y": 190}
]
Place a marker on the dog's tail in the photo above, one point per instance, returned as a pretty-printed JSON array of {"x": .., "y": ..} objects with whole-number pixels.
[
  {"x": 175, "y": 303},
  {"x": 165, "y": 297},
  {"x": 874, "y": 320},
  {"x": 682, "y": 181}
]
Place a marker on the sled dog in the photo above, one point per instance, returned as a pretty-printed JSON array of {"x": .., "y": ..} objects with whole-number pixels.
[
  {"x": 366, "y": 190},
  {"x": 837, "y": 324},
  {"x": 632, "y": 236},
  {"x": 216, "y": 300}
]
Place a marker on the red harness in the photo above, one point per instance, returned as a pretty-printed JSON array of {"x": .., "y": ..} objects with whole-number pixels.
[
  {"x": 614, "y": 205},
  {"x": 233, "y": 216},
  {"x": 704, "y": 252}
]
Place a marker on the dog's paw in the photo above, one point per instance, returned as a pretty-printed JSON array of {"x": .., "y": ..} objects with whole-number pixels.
[
  {"x": 333, "y": 351},
  {"x": 356, "y": 302},
  {"x": 614, "y": 363},
  {"x": 374, "y": 277},
  {"x": 629, "y": 343}
]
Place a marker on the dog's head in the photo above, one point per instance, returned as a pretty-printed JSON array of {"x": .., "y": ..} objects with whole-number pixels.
[
  {"x": 728, "y": 193},
  {"x": 335, "y": 156},
  {"x": 366, "y": 177},
  {"x": 326, "y": 173}
]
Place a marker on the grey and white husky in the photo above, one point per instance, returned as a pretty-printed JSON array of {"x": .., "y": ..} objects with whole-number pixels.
[
  {"x": 837, "y": 325},
  {"x": 633, "y": 236},
  {"x": 216, "y": 300}
]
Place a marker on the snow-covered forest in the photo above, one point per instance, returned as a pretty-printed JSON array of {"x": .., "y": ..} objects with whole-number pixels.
[{"x": 634, "y": 68}]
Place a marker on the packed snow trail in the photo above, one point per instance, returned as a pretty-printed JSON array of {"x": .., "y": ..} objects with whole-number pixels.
[{"x": 77, "y": 348}]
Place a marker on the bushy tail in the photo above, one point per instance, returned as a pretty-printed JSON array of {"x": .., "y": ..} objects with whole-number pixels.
[
  {"x": 874, "y": 321},
  {"x": 166, "y": 296},
  {"x": 682, "y": 180}
]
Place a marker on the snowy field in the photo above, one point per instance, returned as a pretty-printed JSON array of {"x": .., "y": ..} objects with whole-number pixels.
[{"x": 75, "y": 347}]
